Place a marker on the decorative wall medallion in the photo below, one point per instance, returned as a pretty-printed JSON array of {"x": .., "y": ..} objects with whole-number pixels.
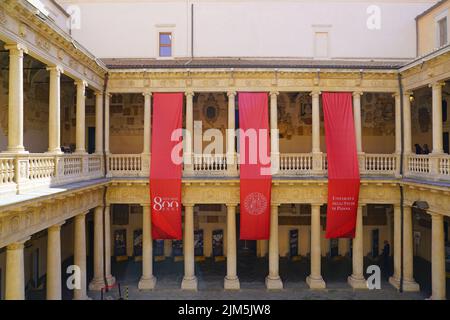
[
  {"x": 43, "y": 43},
  {"x": 2, "y": 16}
]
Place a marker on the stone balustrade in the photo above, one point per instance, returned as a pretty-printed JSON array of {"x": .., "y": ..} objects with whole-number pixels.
[
  {"x": 24, "y": 172},
  {"x": 20, "y": 173}
]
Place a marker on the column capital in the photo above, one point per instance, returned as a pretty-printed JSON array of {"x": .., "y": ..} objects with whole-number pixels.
[
  {"x": 16, "y": 48},
  {"x": 147, "y": 93},
  {"x": 188, "y": 205},
  {"x": 189, "y": 94},
  {"x": 437, "y": 84},
  {"x": 435, "y": 215},
  {"x": 315, "y": 93},
  {"x": 274, "y": 94},
  {"x": 231, "y": 94},
  {"x": 316, "y": 204},
  {"x": 275, "y": 205},
  {"x": 81, "y": 83},
  {"x": 145, "y": 204},
  {"x": 18, "y": 244},
  {"x": 407, "y": 93},
  {"x": 231, "y": 205},
  {"x": 57, "y": 226},
  {"x": 357, "y": 94},
  {"x": 57, "y": 69},
  {"x": 81, "y": 215},
  {"x": 98, "y": 93},
  {"x": 396, "y": 94}
]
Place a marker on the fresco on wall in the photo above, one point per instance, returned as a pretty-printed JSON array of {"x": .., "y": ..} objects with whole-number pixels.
[
  {"x": 127, "y": 115},
  {"x": 421, "y": 112},
  {"x": 378, "y": 114}
]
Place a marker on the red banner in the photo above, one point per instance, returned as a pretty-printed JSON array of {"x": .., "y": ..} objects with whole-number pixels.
[
  {"x": 255, "y": 176},
  {"x": 343, "y": 170},
  {"x": 166, "y": 166}
]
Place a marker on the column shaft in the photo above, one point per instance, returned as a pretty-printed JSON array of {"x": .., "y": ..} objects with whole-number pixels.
[
  {"x": 189, "y": 131},
  {"x": 81, "y": 117},
  {"x": 189, "y": 280},
  {"x": 408, "y": 251},
  {"x": 15, "y": 98},
  {"x": 147, "y": 122},
  {"x": 99, "y": 122},
  {"x": 80, "y": 255},
  {"x": 54, "y": 112},
  {"x": 315, "y": 122},
  {"x": 273, "y": 280},
  {"x": 274, "y": 136},
  {"x": 357, "y": 120},
  {"x": 315, "y": 280},
  {"x": 398, "y": 124},
  {"x": 437, "y": 117},
  {"x": 438, "y": 281},
  {"x": 98, "y": 282},
  {"x": 356, "y": 280},
  {"x": 15, "y": 272},
  {"x": 407, "y": 123},
  {"x": 54, "y": 289},
  {"x": 231, "y": 280},
  {"x": 231, "y": 153},
  {"x": 107, "y": 98},
  {"x": 109, "y": 278},
  {"x": 148, "y": 281}
]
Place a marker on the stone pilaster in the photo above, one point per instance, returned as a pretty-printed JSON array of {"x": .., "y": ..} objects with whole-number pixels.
[{"x": 356, "y": 280}]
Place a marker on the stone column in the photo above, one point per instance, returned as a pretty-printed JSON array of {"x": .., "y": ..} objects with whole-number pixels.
[
  {"x": 15, "y": 98},
  {"x": 315, "y": 280},
  {"x": 274, "y": 136},
  {"x": 273, "y": 280},
  {"x": 147, "y": 122},
  {"x": 109, "y": 278},
  {"x": 357, "y": 120},
  {"x": 357, "y": 280},
  {"x": 98, "y": 122},
  {"x": 315, "y": 121},
  {"x": 409, "y": 283},
  {"x": 15, "y": 271},
  {"x": 437, "y": 117},
  {"x": 54, "y": 289},
  {"x": 81, "y": 117},
  {"x": 54, "y": 110},
  {"x": 107, "y": 98},
  {"x": 79, "y": 254},
  {"x": 407, "y": 123},
  {"x": 398, "y": 124},
  {"x": 231, "y": 281},
  {"x": 438, "y": 274},
  {"x": 231, "y": 133},
  {"x": 98, "y": 281},
  {"x": 189, "y": 280},
  {"x": 395, "y": 279},
  {"x": 188, "y": 153},
  {"x": 147, "y": 281}
]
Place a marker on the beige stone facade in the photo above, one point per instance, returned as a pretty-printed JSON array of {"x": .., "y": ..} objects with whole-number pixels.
[{"x": 53, "y": 95}]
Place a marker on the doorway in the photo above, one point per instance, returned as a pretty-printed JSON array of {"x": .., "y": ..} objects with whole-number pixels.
[
  {"x": 91, "y": 140},
  {"x": 375, "y": 243}
]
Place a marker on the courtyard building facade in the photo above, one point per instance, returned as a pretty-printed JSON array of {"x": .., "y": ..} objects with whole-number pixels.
[{"x": 78, "y": 80}]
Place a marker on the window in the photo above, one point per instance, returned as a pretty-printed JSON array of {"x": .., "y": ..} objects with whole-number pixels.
[
  {"x": 442, "y": 31},
  {"x": 165, "y": 44}
]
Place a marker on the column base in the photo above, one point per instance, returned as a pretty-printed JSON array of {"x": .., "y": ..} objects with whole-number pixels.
[
  {"x": 55, "y": 152},
  {"x": 408, "y": 285},
  {"x": 15, "y": 151},
  {"x": 231, "y": 283},
  {"x": 110, "y": 280},
  {"x": 85, "y": 297},
  {"x": 314, "y": 283},
  {"x": 189, "y": 283},
  {"x": 96, "y": 284},
  {"x": 274, "y": 283},
  {"x": 147, "y": 283},
  {"x": 357, "y": 282}
]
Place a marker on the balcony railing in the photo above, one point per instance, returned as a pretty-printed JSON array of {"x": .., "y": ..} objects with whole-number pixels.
[
  {"x": 25, "y": 172},
  {"x": 20, "y": 173}
]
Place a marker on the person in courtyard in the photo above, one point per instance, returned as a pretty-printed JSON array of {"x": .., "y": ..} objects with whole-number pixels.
[
  {"x": 426, "y": 150},
  {"x": 418, "y": 149}
]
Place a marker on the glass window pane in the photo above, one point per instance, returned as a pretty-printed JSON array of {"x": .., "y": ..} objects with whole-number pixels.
[
  {"x": 165, "y": 51},
  {"x": 165, "y": 38},
  {"x": 442, "y": 32}
]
